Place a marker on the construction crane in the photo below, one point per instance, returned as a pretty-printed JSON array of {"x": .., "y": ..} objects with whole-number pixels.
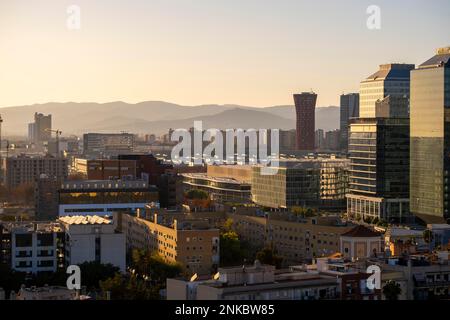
[{"x": 58, "y": 133}]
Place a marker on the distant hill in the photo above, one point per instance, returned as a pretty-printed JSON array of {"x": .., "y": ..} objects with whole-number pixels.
[{"x": 157, "y": 117}]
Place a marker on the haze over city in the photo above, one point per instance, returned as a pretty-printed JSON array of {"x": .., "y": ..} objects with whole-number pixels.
[
  {"x": 254, "y": 53},
  {"x": 185, "y": 152}
]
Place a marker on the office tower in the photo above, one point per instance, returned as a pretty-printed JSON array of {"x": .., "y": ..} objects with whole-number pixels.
[
  {"x": 349, "y": 108},
  {"x": 39, "y": 130},
  {"x": 27, "y": 169},
  {"x": 379, "y": 153},
  {"x": 391, "y": 80},
  {"x": 430, "y": 138},
  {"x": 305, "y": 107}
]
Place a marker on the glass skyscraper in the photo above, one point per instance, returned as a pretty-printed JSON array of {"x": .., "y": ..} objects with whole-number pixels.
[
  {"x": 349, "y": 108},
  {"x": 391, "y": 80},
  {"x": 430, "y": 138}
]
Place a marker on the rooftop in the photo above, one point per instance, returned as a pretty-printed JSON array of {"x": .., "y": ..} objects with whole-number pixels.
[
  {"x": 391, "y": 71},
  {"x": 441, "y": 58},
  {"x": 361, "y": 231},
  {"x": 84, "y": 220}
]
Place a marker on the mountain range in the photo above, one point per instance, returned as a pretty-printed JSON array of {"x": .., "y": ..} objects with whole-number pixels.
[{"x": 157, "y": 117}]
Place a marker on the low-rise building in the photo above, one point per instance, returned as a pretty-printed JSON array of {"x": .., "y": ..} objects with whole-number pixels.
[
  {"x": 255, "y": 282},
  {"x": 93, "y": 238},
  {"x": 426, "y": 276},
  {"x": 295, "y": 239},
  {"x": 32, "y": 247},
  {"x": 102, "y": 197},
  {"x": 360, "y": 243}
]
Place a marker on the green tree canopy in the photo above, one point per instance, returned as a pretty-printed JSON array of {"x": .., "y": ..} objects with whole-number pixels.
[{"x": 392, "y": 290}]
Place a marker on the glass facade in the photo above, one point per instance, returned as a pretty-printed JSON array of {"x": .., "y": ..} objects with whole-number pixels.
[
  {"x": 430, "y": 139},
  {"x": 314, "y": 183},
  {"x": 379, "y": 170},
  {"x": 391, "y": 80},
  {"x": 103, "y": 197}
]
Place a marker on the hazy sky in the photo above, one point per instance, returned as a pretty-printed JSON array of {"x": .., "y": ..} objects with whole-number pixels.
[{"x": 250, "y": 52}]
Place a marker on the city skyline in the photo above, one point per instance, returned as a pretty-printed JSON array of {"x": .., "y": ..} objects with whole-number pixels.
[{"x": 203, "y": 52}]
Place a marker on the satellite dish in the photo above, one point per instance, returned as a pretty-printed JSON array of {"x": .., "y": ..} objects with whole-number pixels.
[{"x": 194, "y": 277}]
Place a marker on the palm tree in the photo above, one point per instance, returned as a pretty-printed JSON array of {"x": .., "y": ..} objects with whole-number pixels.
[{"x": 392, "y": 290}]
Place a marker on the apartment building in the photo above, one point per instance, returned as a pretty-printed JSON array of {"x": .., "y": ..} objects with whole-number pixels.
[
  {"x": 93, "y": 238},
  {"x": 25, "y": 169},
  {"x": 32, "y": 247},
  {"x": 254, "y": 282},
  {"x": 426, "y": 276},
  {"x": 192, "y": 243},
  {"x": 295, "y": 239}
]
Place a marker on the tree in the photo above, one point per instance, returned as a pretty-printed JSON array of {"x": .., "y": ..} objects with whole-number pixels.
[
  {"x": 392, "y": 290},
  {"x": 153, "y": 266},
  {"x": 231, "y": 252},
  {"x": 268, "y": 256},
  {"x": 10, "y": 280},
  {"x": 228, "y": 225},
  {"x": 94, "y": 272}
]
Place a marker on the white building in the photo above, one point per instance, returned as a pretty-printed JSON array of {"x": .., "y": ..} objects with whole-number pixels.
[
  {"x": 93, "y": 238},
  {"x": 34, "y": 246}
]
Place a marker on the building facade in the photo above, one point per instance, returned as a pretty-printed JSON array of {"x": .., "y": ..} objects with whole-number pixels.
[
  {"x": 305, "y": 108},
  {"x": 107, "y": 144},
  {"x": 390, "y": 80},
  {"x": 430, "y": 140},
  {"x": 302, "y": 182},
  {"x": 349, "y": 109},
  {"x": 103, "y": 197},
  {"x": 39, "y": 130},
  {"x": 379, "y": 174},
  {"x": 192, "y": 243},
  {"x": 93, "y": 238},
  {"x": 27, "y": 169}
]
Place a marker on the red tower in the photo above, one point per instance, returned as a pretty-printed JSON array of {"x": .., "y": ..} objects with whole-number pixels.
[{"x": 305, "y": 107}]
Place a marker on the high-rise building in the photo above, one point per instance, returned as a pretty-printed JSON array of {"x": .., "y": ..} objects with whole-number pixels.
[
  {"x": 430, "y": 138},
  {"x": 391, "y": 80},
  {"x": 379, "y": 154},
  {"x": 349, "y": 108},
  {"x": 39, "y": 130},
  {"x": 305, "y": 107}
]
